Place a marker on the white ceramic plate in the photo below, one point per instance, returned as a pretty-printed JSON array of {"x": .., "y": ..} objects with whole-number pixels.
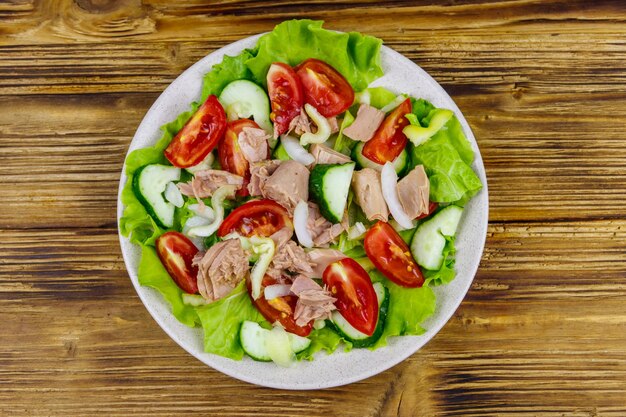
[{"x": 340, "y": 368}]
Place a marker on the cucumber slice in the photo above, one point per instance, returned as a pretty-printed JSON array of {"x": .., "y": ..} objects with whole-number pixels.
[
  {"x": 253, "y": 339},
  {"x": 329, "y": 185},
  {"x": 149, "y": 183},
  {"x": 399, "y": 163},
  {"x": 357, "y": 338},
  {"x": 243, "y": 99},
  {"x": 428, "y": 241}
]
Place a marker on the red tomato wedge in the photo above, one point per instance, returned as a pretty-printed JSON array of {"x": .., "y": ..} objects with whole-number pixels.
[
  {"x": 389, "y": 141},
  {"x": 285, "y": 91},
  {"x": 258, "y": 217},
  {"x": 230, "y": 154},
  {"x": 279, "y": 309},
  {"x": 324, "y": 87},
  {"x": 356, "y": 298},
  {"x": 176, "y": 253},
  {"x": 391, "y": 256},
  {"x": 199, "y": 136}
]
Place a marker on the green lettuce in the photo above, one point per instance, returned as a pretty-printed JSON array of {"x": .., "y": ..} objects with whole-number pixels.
[
  {"x": 321, "y": 339},
  {"x": 221, "y": 321},
  {"x": 152, "y": 273},
  {"x": 447, "y": 157},
  {"x": 343, "y": 143},
  {"x": 231, "y": 68},
  {"x": 408, "y": 308},
  {"x": 421, "y": 109},
  {"x": 355, "y": 56}
]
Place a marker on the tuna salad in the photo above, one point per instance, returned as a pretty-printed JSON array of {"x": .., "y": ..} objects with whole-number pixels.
[{"x": 293, "y": 208}]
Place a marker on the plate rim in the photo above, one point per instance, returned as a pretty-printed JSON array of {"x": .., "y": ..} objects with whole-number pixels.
[{"x": 238, "y": 46}]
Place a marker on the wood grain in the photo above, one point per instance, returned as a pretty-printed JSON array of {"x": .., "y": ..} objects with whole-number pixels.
[{"x": 543, "y": 328}]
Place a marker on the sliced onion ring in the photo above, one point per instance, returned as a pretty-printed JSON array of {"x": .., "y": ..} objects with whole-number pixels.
[
  {"x": 296, "y": 151},
  {"x": 300, "y": 218},
  {"x": 357, "y": 231},
  {"x": 389, "y": 182},
  {"x": 276, "y": 290}
]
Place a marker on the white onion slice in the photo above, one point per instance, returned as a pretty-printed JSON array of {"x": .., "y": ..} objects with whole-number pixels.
[
  {"x": 395, "y": 103},
  {"x": 173, "y": 195},
  {"x": 207, "y": 212},
  {"x": 398, "y": 228},
  {"x": 363, "y": 97},
  {"x": 357, "y": 231},
  {"x": 300, "y": 218},
  {"x": 296, "y": 151},
  {"x": 278, "y": 347},
  {"x": 276, "y": 290},
  {"x": 389, "y": 182}
]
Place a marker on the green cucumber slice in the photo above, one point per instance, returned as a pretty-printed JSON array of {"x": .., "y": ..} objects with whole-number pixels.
[
  {"x": 149, "y": 183},
  {"x": 428, "y": 241},
  {"x": 329, "y": 185}
]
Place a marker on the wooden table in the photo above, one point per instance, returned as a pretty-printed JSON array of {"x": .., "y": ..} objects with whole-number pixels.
[{"x": 543, "y": 328}]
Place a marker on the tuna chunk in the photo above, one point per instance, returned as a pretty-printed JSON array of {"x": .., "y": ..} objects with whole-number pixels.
[
  {"x": 300, "y": 124},
  {"x": 369, "y": 194},
  {"x": 221, "y": 268},
  {"x": 289, "y": 258},
  {"x": 205, "y": 182},
  {"x": 321, "y": 258},
  {"x": 253, "y": 144},
  {"x": 259, "y": 173},
  {"x": 282, "y": 236},
  {"x": 325, "y": 155},
  {"x": 413, "y": 191},
  {"x": 334, "y": 125},
  {"x": 288, "y": 185},
  {"x": 368, "y": 120},
  {"x": 314, "y": 302},
  {"x": 322, "y": 231}
]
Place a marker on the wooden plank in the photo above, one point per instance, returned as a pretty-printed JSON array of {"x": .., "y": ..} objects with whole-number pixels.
[{"x": 520, "y": 343}]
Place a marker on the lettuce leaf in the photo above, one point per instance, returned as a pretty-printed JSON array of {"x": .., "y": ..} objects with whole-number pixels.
[
  {"x": 230, "y": 69},
  {"x": 421, "y": 109},
  {"x": 321, "y": 339},
  {"x": 153, "y": 274},
  {"x": 408, "y": 307},
  {"x": 355, "y": 56},
  {"x": 221, "y": 321},
  {"x": 343, "y": 143},
  {"x": 447, "y": 158}
]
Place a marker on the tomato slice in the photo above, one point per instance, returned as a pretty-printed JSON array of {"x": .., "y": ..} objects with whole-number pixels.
[
  {"x": 391, "y": 256},
  {"x": 324, "y": 87},
  {"x": 356, "y": 298},
  {"x": 389, "y": 141},
  {"x": 257, "y": 217},
  {"x": 279, "y": 309},
  {"x": 176, "y": 253},
  {"x": 285, "y": 91},
  {"x": 199, "y": 136},
  {"x": 230, "y": 154}
]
